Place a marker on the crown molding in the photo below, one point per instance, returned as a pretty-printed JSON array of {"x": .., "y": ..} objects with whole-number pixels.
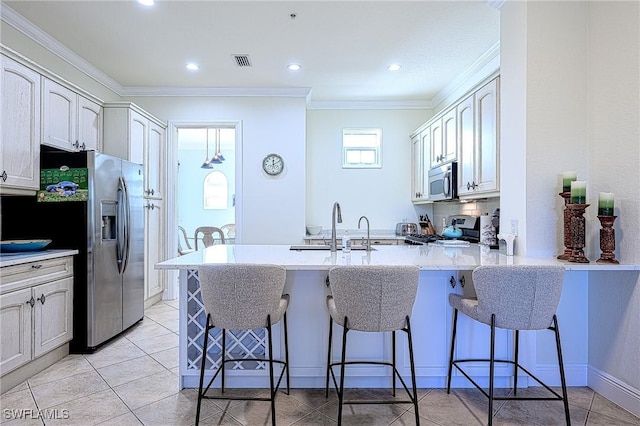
[
  {"x": 496, "y": 4},
  {"x": 371, "y": 105},
  {"x": 490, "y": 58},
  {"x": 282, "y": 92},
  {"x": 26, "y": 27}
]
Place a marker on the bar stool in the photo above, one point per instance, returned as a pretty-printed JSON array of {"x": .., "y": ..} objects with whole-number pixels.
[
  {"x": 523, "y": 297},
  {"x": 372, "y": 299},
  {"x": 243, "y": 297}
]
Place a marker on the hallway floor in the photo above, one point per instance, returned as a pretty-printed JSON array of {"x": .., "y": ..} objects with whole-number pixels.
[{"x": 133, "y": 381}]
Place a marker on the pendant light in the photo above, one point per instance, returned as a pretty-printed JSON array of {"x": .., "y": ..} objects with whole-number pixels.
[
  {"x": 216, "y": 154},
  {"x": 207, "y": 164},
  {"x": 219, "y": 141}
]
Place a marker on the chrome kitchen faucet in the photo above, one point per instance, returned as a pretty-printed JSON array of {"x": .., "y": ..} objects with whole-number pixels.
[{"x": 336, "y": 206}]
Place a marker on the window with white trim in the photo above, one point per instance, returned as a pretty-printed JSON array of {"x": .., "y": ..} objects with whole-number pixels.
[
  {"x": 215, "y": 191},
  {"x": 361, "y": 148}
]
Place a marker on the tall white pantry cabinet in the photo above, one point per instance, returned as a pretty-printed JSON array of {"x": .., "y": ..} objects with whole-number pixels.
[{"x": 135, "y": 135}]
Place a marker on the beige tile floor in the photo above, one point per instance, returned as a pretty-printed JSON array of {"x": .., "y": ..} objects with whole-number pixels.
[{"x": 133, "y": 381}]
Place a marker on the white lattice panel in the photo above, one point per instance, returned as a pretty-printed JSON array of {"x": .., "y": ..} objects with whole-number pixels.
[{"x": 241, "y": 344}]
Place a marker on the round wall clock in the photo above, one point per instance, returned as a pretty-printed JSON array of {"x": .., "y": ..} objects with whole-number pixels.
[{"x": 273, "y": 164}]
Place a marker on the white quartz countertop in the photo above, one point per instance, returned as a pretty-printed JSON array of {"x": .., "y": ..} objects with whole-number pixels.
[
  {"x": 427, "y": 257},
  {"x": 10, "y": 259}
]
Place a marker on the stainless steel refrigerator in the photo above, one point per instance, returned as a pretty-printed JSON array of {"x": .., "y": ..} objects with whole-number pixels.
[{"x": 106, "y": 224}]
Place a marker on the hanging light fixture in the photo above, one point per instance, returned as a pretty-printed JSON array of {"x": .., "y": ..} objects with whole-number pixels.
[
  {"x": 216, "y": 154},
  {"x": 219, "y": 141},
  {"x": 207, "y": 164}
]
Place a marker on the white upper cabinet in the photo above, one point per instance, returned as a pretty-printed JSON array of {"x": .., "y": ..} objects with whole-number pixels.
[
  {"x": 20, "y": 113},
  {"x": 133, "y": 134},
  {"x": 420, "y": 154},
  {"x": 443, "y": 139},
  {"x": 478, "y": 126},
  {"x": 70, "y": 121}
]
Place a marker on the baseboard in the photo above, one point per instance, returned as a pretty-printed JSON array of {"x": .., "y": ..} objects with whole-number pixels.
[
  {"x": 614, "y": 390},
  {"x": 575, "y": 374}
]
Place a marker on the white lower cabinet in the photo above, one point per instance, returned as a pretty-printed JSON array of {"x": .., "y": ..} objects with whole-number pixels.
[
  {"x": 155, "y": 234},
  {"x": 53, "y": 319},
  {"x": 36, "y": 310},
  {"x": 15, "y": 323}
]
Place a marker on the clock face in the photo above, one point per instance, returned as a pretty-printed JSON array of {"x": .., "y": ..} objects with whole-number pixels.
[{"x": 273, "y": 164}]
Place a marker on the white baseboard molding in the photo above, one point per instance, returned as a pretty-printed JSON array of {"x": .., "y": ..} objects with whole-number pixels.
[
  {"x": 575, "y": 374},
  {"x": 614, "y": 390}
]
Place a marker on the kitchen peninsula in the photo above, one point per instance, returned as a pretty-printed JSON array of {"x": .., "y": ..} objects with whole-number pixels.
[{"x": 443, "y": 270}]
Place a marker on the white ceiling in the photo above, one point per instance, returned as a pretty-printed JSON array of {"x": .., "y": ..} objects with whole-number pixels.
[{"x": 343, "y": 46}]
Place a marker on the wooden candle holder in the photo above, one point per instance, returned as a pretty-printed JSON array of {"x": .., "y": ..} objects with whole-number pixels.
[
  {"x": 577, "y": 231},
  {"x": 567, "y": 227},
  {"x": 607, "y": 240}
]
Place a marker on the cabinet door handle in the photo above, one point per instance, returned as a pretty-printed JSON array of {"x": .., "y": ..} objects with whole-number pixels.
[
  {"x": 452, "y": 281},
  {"x": 152, "y": 192},
  {"x": 4, "y": 176},
  {"x": 462, "y": 281},
  {"x": 31, "y": 302},
  {"x": 36, "y": 266},
  {"x": 84, "y": 147},
  {"x": 468, "y": 186},
  {"x": 473, "y": 184},
  {"x": 41, "y": 299}
]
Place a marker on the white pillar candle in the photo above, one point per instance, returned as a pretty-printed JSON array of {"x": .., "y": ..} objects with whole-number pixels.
[
  {"x": 579, "y": 192},
  {"x": 567, "y": 178},
  {"x": 605, "y": 204}
]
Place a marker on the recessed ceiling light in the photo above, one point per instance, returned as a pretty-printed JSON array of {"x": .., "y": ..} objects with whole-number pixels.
[
  {"x": 192, "y": 66},
  {"x": 146, "y": 2},
  {"x": 394, "y": 67},
  {"x": 294, "y": 67}
]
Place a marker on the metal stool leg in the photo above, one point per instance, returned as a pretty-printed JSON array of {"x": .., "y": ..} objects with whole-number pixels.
[
  {"x": 203, "y": 361},
  {"x": 562, "y": 376},
  {"x": 515, "y": 365},
  {"x": 492, "y": 366},
  {"x": 224, "y": 356},
  {"x": 286, "y": 352},
  {"x": 271, "y": 384},
  {"x": 453, "y": 340},
  {"x": 326, "y": 389},
  {"x": 413, "y": 372},
  {"x": 342, "y": 365},
  {"x": 393, "y": 362}
]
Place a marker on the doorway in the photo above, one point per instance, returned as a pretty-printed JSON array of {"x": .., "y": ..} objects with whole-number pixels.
[{"x": 205, "y": 178}]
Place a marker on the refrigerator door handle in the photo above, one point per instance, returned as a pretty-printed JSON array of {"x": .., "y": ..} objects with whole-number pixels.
[
  {"x": 127, "y": 226},
  {"x": 120, "y": 226}
]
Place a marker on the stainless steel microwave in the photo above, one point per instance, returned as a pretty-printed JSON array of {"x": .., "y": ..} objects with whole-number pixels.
[{"x": 443, "y": 182}]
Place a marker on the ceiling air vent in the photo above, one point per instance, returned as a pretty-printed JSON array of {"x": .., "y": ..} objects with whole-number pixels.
[{"x": 242, "y": 60}]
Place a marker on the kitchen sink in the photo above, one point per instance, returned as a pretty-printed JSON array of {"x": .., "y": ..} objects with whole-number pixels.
[{"x": 324, "y": 247}]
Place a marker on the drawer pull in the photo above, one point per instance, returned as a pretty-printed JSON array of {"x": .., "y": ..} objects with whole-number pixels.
[
  {"x": 41, "y": 299},
  {"x": 36, "y": 266}
]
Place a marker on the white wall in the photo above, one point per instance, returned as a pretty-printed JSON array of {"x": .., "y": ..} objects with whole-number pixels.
[
  {"x": 614, "y": 158},
  {"x": 570, "y": 101},
  {"x": 383, "y": 195},
  {"x": 270, "y": 210}
]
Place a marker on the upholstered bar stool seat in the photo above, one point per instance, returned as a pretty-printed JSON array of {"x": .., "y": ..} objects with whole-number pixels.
[
  {"x": 243, "y": 297},
  {"x": 523, "y": 297},
  {"x": 372, "y": 299}
]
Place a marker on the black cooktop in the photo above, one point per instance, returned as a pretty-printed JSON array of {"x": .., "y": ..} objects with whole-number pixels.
[{"x": 418, "y": 239}]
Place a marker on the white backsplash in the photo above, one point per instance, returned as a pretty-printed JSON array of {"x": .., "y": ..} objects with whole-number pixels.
[{"x": 477, "y": 208}]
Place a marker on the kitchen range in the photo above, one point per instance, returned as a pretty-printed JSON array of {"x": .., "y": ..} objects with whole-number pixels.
[{"x": 467, "y": 227}]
